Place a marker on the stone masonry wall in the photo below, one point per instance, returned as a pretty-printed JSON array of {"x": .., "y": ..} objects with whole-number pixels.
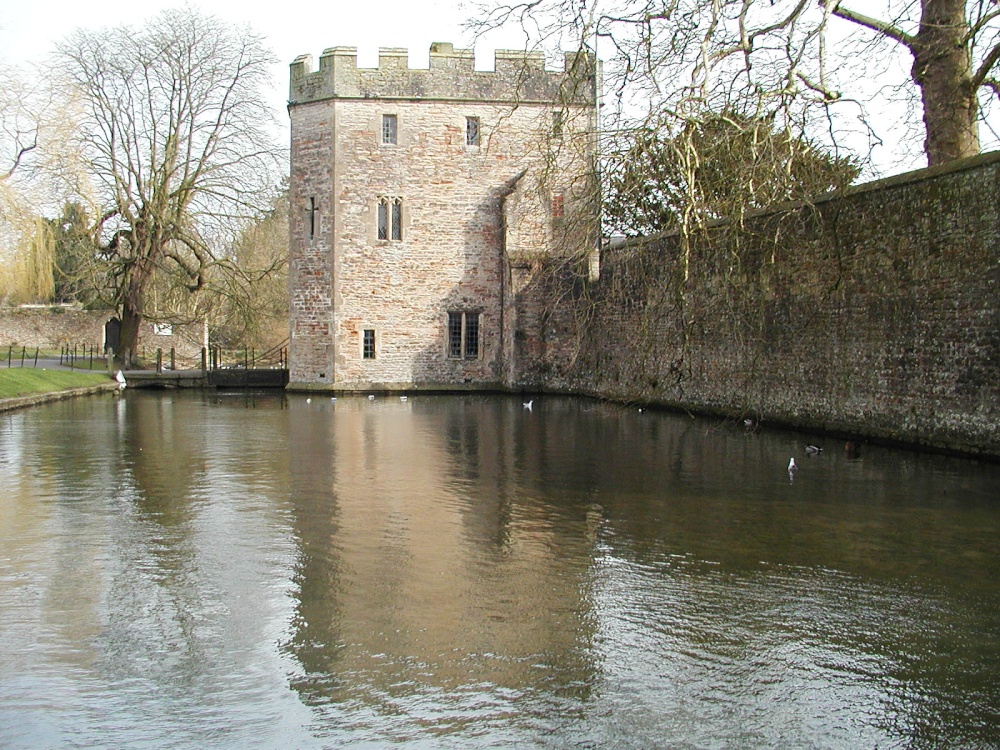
[
  {"x": 874, "y": 313},
  {"x": 469, "y": 212},
  {"x": 52, "y": 327},
  {"x": 310, "y": 222}
]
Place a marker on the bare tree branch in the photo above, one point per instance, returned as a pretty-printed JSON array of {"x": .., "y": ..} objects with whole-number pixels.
[
  {"x": 884, "y": 28},
  {"x": 989, "y": 62}
]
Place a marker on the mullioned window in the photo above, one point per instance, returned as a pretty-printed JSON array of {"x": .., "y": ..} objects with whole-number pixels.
[{"x": 389, "y": 217}]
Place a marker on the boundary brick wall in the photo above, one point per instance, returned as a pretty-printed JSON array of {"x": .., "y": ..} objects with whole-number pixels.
[
  {"x": 871, "y": 313},
  {"x": 53, "y": 326}
]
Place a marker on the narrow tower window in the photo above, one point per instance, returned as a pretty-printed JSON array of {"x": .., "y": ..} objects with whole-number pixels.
[
  {"x": 312, "y": 217},
  {"x": 557, "y": 124},
  {"x": 389, "y": 129},
  {"x": 383, "y": 219},
  {"x": 471, "y": 131},
  {"x": 368, "y": 344},
  {"x": 397, "y": 220}
]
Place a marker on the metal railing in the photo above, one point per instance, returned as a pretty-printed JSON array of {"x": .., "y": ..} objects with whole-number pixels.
[
  {"x": 249, "y": 358},
  {"x": 73, "y": 356}
]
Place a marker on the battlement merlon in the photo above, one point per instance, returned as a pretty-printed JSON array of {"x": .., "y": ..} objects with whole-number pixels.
[{"x": 518, "y": 77}]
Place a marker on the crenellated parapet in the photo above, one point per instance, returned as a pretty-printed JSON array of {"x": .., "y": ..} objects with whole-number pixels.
[{"x": 518, "y": 77}]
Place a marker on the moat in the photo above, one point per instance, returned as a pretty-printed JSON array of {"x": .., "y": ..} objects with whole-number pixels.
[{"x": 196, "y": 569}]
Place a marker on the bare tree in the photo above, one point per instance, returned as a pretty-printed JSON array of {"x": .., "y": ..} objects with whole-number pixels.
[
  {"x": 178, "y": 136},
  {"x": 670, "y": 60},
  {"x": 249, "y": 299},
  {"x": 20, "y": 121},
  {"x": 955, "y": 48}
]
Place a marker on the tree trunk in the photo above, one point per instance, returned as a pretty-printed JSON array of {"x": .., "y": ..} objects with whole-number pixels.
[
  {"x": 129, "y": 341},
  {"x": 942, "y": 68},
  {"x": 133, "y": 304}
]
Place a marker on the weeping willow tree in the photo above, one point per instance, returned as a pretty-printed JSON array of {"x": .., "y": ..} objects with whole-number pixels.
[
  {"x": 254, "y": 297},
  {"x": 39, "y": 166},
  {"x": 35, "y": 279}
]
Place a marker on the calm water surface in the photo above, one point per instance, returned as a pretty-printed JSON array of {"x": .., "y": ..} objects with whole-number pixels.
[{"x": 201, "y": 570}]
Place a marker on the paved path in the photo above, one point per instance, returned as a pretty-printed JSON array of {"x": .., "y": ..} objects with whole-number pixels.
[{"x": 47, "y": 363}]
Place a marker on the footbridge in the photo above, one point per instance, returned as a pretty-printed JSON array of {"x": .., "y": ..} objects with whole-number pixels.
[
  {"x": 240, "y": 370},
  {"x": 236, "y": 377}
]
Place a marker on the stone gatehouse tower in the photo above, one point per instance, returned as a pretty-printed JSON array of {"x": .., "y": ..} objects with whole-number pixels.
[{"x": 423, "y": 203}]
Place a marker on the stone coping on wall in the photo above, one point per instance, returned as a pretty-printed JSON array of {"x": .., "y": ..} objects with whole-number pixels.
[{"x": 21, "y": 402}]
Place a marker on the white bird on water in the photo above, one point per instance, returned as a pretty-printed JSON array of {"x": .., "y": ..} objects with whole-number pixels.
[
  {"x": 527, "y": 404},
  {"x": 792, "y": 468},
  {"x": 371, "y": 397}
]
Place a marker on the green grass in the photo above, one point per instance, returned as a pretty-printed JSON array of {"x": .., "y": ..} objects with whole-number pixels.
[{"x": 17, "y": 381}]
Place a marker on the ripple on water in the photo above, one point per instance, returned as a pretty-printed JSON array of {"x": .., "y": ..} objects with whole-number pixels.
[{"x": 181, "y": 572}]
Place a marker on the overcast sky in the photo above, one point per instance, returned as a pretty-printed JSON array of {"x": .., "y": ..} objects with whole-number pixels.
[{"x": 29, "y": 29}]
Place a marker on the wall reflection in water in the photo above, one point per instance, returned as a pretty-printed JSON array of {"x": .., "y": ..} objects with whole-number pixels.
[
  {"x": 190, "y": 570},
  {"x": 434, "y": 579}
]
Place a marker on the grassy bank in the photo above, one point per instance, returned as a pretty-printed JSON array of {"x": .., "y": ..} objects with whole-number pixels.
[{"x": 18, "y": 381}]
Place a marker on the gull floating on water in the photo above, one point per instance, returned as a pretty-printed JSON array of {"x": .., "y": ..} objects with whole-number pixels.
[
  {"x": 371, "y": 397},
  {"x": 402, "y": 398},
  {"x": 792, "y": 468},
  {"x": 527, "y": 404},
  {"x": 813, "y": 450}
]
